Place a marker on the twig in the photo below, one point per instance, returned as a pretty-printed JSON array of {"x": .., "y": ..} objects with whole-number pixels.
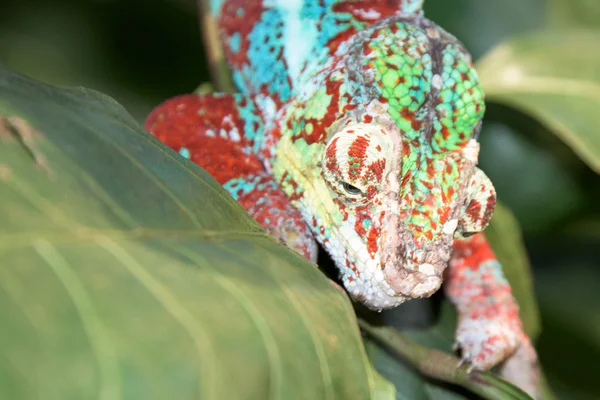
[
  {"x": 442, "y": 366},
  {"x": 219, "y": 71}
]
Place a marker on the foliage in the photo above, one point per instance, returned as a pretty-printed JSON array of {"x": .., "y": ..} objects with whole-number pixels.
[
  {"x": 87, "y": 189},
  {"x": 128, "y": 271}
]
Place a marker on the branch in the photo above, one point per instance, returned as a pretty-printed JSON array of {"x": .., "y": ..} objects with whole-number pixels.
[
  {"x": 443, "y": 366},
  {"x": 219, "y": 71}
]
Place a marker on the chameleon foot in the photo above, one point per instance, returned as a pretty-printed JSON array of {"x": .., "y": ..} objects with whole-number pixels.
[
  {"x": 489, "y": 330},
  {"x": 485, "y": 343}
]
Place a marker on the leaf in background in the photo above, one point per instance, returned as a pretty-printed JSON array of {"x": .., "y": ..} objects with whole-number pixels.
[
  {"x": 409, "y": 383},
  {"x": 555, "y": 77},
  {"x": 546, "y": 193},
  {"x": 505, "y": 238},
  {"x": 483, "y": 24},
  {"x": 128, "y": 272},
  {"x": 571, "y": 307},
  {"x": 573, "y": 13}
]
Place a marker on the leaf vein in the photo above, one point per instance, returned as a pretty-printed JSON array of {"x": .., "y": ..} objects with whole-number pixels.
[
  {"x": 255, "y": 315},
  {"x": 174, "y": 307},
  {"x": 107, "y": 361}
]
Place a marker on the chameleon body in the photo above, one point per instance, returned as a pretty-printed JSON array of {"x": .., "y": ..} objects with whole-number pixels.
[{"x": 355, "y": 125}]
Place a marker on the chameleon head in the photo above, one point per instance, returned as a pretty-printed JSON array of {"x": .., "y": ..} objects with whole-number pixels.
[
  {"x": 396, "y": 180},
  {"x": 381, "y": 156},
  {"x": 402, "y": 168}
]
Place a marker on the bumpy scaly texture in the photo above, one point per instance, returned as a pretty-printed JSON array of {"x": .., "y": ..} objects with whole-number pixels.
[{"x": 356, "y": 125}]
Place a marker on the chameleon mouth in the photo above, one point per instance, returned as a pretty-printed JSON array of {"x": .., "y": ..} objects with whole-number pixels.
[{"x": 414, "y": 284}]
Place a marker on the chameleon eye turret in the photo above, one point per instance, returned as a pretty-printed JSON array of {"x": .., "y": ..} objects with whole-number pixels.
[
  {"x": 479, "y": 206},
  {"x": 355, "y": 162}
]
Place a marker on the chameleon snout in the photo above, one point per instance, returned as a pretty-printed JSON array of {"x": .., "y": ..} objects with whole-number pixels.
[{"x": 416, "y": 283}]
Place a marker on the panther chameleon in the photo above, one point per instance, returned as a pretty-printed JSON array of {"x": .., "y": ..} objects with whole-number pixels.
[{"x": 356, "y": 126}]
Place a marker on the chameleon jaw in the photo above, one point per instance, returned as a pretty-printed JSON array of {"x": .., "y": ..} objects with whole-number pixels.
[
  {"x": 391, "y": 279},
  {"x": 415, "y": 280},
  {"x": 413, "y": 284}
]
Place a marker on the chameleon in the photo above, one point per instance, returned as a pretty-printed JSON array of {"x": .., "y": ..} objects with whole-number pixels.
[{"x": 355, "y": 128}]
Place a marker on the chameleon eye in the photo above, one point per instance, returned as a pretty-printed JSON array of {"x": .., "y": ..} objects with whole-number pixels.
[
  {"x": 355, "y": 161},
  {"x": 479, "y": 206},
  {"x": 351, "y": 189},
  {"x": 467, "y": 234}
]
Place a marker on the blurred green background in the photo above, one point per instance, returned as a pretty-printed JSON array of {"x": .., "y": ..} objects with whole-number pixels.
[{"x": 142, "y": 52}]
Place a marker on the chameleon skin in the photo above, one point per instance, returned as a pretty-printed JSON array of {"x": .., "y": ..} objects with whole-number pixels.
[
  {"x": 210, "y": 131},
  {"x": 356, "y": 125}
]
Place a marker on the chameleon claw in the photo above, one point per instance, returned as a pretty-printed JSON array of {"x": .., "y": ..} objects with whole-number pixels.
[{"x": 471, "y": 368}]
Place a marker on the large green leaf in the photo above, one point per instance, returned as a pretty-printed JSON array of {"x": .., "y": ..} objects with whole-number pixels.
[
  {"x": 555, "y": 77},
  {"x": 127, "y": 272}
]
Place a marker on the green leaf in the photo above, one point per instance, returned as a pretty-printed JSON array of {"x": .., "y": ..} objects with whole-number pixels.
[
  {"x": 573, "y": 13},
  {"x": 546, "y": 193},
  {"x": 480, "y": 25},
  {"x": 555, "y": 77},
  {"x": 410, "y": 384},
  {"x": 505, "y": 238},
  {"x": 568, "y": 291},
  {"x": 128, "y": 272}
]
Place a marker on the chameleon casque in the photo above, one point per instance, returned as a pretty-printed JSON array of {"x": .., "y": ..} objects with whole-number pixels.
[{"x": 355, "y": 126}]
